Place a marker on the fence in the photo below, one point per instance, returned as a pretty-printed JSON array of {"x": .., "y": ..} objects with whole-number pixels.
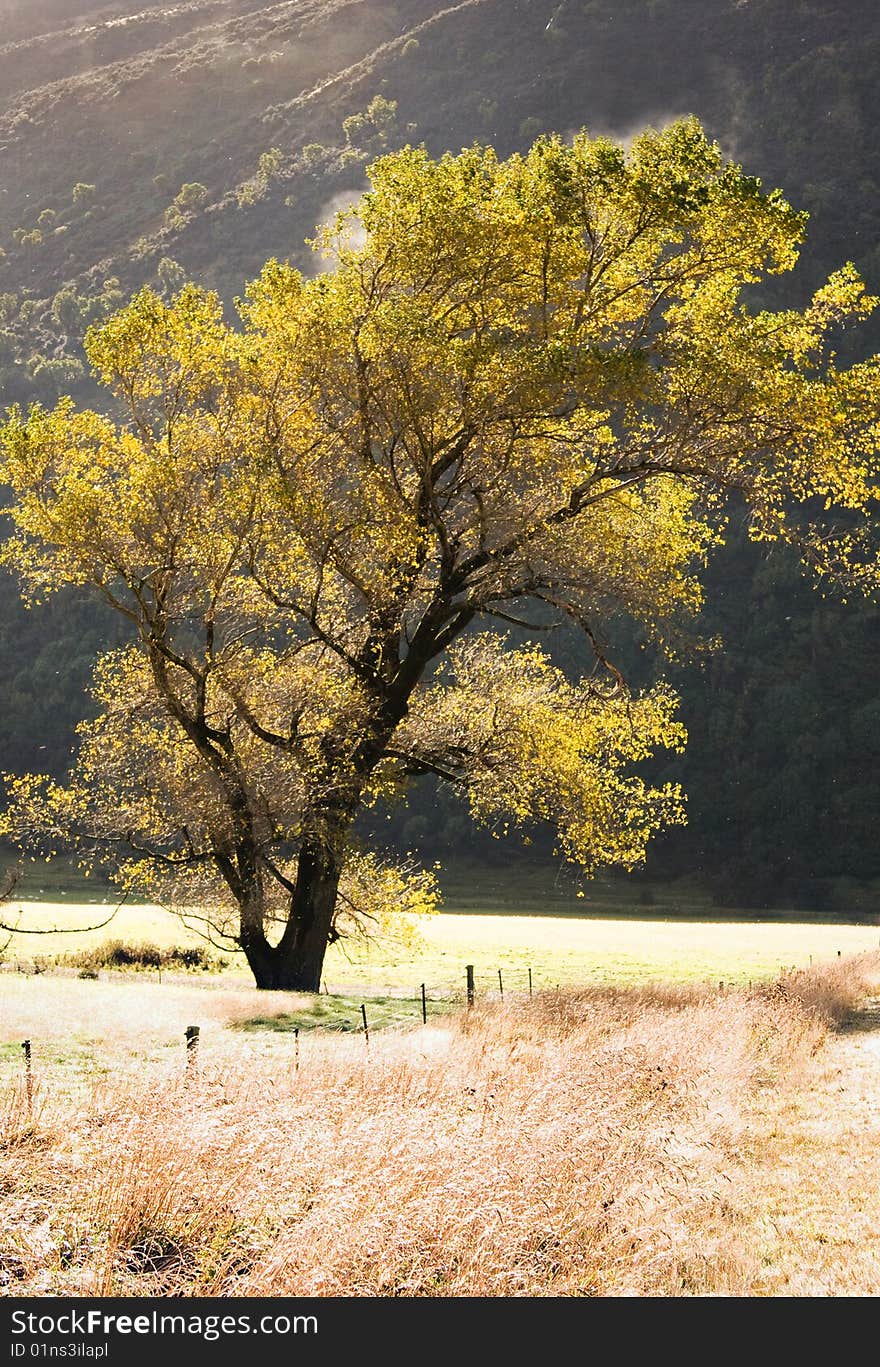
[{"x": 524, "y": 978}]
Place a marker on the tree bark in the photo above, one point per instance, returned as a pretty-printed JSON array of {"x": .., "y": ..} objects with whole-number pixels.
[{"x": 295, "y": 964}]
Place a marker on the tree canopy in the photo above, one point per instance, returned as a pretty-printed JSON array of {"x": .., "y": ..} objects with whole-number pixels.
[{"x": 520, "y": 385}]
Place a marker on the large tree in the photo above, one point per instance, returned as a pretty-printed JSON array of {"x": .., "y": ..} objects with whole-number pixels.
[{"x": 524, "y": 382}]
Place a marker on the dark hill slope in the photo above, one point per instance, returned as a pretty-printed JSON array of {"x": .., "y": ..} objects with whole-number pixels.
[{"x": 132, "y": 110}]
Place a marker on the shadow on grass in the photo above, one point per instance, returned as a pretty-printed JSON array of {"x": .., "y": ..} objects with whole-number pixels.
[
  {"x": 344, "y": 1013},
  {"x": 864, "y": 1021}
]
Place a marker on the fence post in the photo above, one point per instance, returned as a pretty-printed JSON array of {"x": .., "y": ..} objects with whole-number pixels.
[
  {"x": 530, "y": 982},
  {"x": 296, "y": 1048},
  {"x": 28, "y": 1076},
  {"x": 501, "y": 984},
  {"x": 191, "y": 1034},
  {"x": 424, "y": 1006},
  {"x": 366, "y": 1027},
  {"x": 469, "y": 973}
]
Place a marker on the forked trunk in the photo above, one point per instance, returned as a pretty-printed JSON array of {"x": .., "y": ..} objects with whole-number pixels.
[{"x": 296, "y": 962}]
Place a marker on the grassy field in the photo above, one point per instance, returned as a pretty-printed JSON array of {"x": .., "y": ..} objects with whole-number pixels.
[
  {"x": 637, "y": 1132},
  {"x": 568, "y": 949},
  {"x": 594, "y": 1142},
  {"x": 123, "y": 1021}
]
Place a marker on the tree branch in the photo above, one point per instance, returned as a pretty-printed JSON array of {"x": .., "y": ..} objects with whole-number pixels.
[{"x": 66, "y": 930}]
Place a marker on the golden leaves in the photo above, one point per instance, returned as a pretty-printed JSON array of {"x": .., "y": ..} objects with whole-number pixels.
[
  {"x": 529, "y": 746},
  {"x": 532, "y": 378}
]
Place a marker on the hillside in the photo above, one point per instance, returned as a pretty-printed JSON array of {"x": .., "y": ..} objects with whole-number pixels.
[
  {"x": 150, "y": 143},
  {"x": 104, "y": 120}
]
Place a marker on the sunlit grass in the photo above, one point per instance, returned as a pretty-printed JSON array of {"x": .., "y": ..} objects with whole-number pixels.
[
  {"x": 326, "y": 1012},
  {"x": 592, "y": 1142},
  {"x": 563, "y": 950},
  {"x": 566, "y": 951}
]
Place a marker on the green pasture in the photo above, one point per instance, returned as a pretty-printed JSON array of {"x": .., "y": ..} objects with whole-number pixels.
[{"x": 564, "y": 944}]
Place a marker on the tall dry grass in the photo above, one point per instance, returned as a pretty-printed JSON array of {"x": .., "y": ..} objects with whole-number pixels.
[{"x": 581, "y": 1143}]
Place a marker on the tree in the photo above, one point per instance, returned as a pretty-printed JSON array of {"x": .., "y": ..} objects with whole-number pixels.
[
  {"x": 525, "y": 382},
  {"x": 67, "y": 309},
  {"x": 171, "y": 276},
  {"x": 191, "y": 195},
  {"x": 186, "y": 201},
  {"x": 373, "y": 125}
]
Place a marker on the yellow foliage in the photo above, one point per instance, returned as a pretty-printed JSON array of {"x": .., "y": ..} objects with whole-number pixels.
[{"x": 530, "y": 381}]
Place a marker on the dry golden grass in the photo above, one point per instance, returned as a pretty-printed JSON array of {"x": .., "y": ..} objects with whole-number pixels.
[
  {"x": 583, "y": 1143},
  {"x": 832, "y": 991},
  {"x": 812, "y": 1175}
]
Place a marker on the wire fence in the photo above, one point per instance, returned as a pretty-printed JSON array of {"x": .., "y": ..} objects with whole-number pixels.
[{"x": 517, "y": 983}]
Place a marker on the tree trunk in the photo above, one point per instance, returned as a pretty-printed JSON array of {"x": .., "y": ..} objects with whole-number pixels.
[{"x": 296, "y": 962}]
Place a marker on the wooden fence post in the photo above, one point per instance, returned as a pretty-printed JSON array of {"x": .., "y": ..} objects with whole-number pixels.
[
  {"x": 191, "y": 1034},
  {"x": 530, "y": 982},
  {"x": 469, "y": 973},
  {"x": 28, "y": 1076},
  {"x": 296, "y": 1048},
  {"x": 366, "y": 1027},
  {"x": 501, "y": 984},
  {"x": 424, "y": 1006}
]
